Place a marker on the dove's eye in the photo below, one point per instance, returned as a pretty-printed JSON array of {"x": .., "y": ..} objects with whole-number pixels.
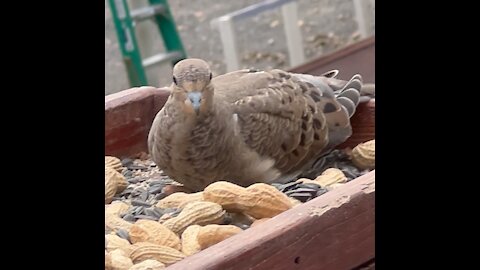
[{"x": 174, "y": 80}]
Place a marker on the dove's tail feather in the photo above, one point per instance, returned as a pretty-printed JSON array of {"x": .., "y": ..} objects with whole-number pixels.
[
  {"x": 349, "y": 95},
  {"x": 330, "y": 74},
  {"x": 367, "y": 92},
  {"x": 338, "y": 100}
]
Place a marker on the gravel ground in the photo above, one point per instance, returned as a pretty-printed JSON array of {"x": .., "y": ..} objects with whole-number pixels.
[{"x": 326, "y": 25}]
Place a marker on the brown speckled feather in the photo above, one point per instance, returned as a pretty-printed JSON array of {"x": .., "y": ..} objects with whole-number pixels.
[{"x": 249, "y": 126}]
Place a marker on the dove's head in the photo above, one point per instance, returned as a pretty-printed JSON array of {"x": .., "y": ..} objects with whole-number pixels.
[{"x": 191, "y": 84}]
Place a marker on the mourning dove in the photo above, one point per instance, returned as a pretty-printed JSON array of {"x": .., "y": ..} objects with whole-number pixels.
[{"x": 249, "y": 126}]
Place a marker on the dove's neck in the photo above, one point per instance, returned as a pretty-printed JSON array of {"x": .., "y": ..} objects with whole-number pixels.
[
  {"x": 206, "y": 136},
  {"x": 212, "y": 116},
  {"x": 204, "y": 126}
]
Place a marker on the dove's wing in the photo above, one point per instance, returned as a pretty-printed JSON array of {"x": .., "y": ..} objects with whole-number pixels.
[{"x": 291, "y": 118}]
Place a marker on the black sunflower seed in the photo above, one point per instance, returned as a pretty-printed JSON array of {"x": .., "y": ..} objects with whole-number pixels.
[
  {"x": 158, "y": 211},
  {"x": 301, "y": 190},
  {"x": 160, "y": 196},
  {"x": 310, "y": 185},
  {"x": 172, "y": 211},
  {"x": 127, "y": 191},
  {"x": 133, "y": 180},
  {"x": 138, "y": 210},
  {"x": 137, "y": 167},
  {"x": 157, "y": 182},
  {"x": 146, "y": 217},
  {"x": 288, "y": 186},
  {"x": 137, "y": 192},
  {"x": 151, "y": 212},
  {"x": 144, "y": 195},
  {"x": 277, "y": 185},
  {"x": 129, "y": 217},
  {"x": 321, "y": 192},
  {"x": 242, "y": 226},
  {"x": 155, "y": 189},
  {"x": 140, "y": 203},
  {"x": 128, "y": 174},
  {"x": 126, "y": 162},
  {"x": 122, "y": 233},
  {"x": 301, "y": 196}
]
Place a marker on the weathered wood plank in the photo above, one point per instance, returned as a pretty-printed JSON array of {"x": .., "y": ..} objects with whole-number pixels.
[{"x": 333, "y": 231}]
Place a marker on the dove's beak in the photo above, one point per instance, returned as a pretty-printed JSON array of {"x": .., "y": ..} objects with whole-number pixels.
[{"x": 195, "y": 98}]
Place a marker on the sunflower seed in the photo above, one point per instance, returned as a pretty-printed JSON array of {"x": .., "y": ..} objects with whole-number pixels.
[
  {"x": 126, "y": 162},
  {"x": 135, "y": 210},
  {"x": 160, "y": 196},
  {"x": 227, "y": 219},
  {"x": 321, "y": 192},
  {"x": 158, "y": 211},
  {"x": 172, "y": 211},
  {"x": 157, "y": 214},
  {"x": 169, "y": 210},
  {"x": 132, "y": 209},
  {"x": 155, "y": 189},
  {"x": 301, "y": 190},
  {"x": 167, "y": 180},
  {"x": 127, "y": 191},
  {"x": 144, "y": 196},
  {"x": 151, "y": 197},
  {"x": 137, "y": 167},
  {"x": 301, "y": 196},
  {"x": 150, "y": 212},
  {"x": 129, "y": 217},
  {"x": 320, "y": 163},
  {"x": 140, "y": 203},
  {"x": 176, "y": 213},
  {"x": 133, "y": 180},
  {"x": 310, "y": 185},
  {"x": 157, "y": 182},
  {"x": 122, "y": 233},
  {"x": 288, "y": 186},
  {"x": 277, "y": 185},
  {"x": 364, "y": 172},
  {"x": 349, "y": 168},
  {"x": 146, "y": 217},
  {"x": 242, "y": 226},
  {"x": 137, "y": 192},
  {"x": 349, "y": 174}
]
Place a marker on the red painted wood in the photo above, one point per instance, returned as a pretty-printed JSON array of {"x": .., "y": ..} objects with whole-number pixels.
[
  {"x": 350, "y": 60},
  {"x": 128, "y": 117},
  {"x": 333, "y": 231}
]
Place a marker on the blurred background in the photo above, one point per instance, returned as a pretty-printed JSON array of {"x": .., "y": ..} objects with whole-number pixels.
[{"x": 260, "y": 40}]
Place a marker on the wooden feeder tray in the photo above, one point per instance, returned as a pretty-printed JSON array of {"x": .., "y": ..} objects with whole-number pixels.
[{"x": 333, "y": 231}]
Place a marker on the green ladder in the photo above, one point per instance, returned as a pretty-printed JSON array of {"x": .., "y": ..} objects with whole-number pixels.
[{"x": 125, "y": 21}]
